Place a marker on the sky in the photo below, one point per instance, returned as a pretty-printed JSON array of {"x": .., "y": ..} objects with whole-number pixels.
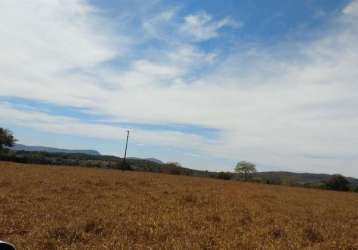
[{"x": 204, "y": 83}]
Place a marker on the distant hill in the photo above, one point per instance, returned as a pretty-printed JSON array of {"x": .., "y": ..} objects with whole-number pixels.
[
  {"x": 301, "y": 178},
  {"x": 20, "y": 147},
  {"x": 55, "y": 156},
  {"x": 147, "y": 159}
]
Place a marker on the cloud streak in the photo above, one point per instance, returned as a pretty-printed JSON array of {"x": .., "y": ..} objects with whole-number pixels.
[{"x": 202, "y": 27}]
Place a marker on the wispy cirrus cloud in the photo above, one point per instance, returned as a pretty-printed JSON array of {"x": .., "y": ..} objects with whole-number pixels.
[
  {"x": 201, "y": 26},
  {"x": 157, "y": 26},
  {"x": 73, "y": 126}
]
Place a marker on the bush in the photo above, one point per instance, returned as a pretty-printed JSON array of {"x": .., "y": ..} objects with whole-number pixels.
[
  {"x": 272, "y": 181},
  {"x": 124, "y": 166},
  {"x": 338, "y": 183},
  {"x": 224, "y": 175},
  {"x": 174, "y": 171}
]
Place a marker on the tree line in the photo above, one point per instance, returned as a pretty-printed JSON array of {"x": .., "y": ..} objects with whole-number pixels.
[{"x": 244, "y": 170}]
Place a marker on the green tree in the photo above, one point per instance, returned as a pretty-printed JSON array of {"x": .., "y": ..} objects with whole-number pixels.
[
  {"x": 245, "y": 169},
  {"x": 6, "y": 139},
  {"x": 337, "y": 182}
]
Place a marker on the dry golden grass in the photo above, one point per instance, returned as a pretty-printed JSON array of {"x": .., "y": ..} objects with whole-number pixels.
[{"x": 78, "y": 208}]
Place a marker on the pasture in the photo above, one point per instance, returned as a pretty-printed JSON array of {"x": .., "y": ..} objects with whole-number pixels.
[{"x": 43, "y": 207}]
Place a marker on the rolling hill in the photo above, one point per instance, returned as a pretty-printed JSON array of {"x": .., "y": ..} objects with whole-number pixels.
[{"x": 21, "y": 147}]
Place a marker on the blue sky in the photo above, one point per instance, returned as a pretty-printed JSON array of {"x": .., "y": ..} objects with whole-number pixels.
[{"x": 204, "y": 83}]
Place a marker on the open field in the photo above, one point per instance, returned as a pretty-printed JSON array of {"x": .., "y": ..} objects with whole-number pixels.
[{"x": 82, "y": 208}]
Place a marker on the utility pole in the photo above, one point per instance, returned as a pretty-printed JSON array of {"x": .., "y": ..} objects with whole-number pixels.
[{"x": 125, "y": 151}]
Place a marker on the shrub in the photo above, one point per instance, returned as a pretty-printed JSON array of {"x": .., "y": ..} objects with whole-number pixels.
[
  {"x": 338, "y": 183},
  {"x": 273, "y": 181},
  {"x": 224, "y": 175},
  {"x": 174, "y": 171},
  {"x": 124, "y": 166}
]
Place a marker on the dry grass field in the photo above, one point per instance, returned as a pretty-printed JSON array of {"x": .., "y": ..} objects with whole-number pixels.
[{"x": 45, "y": 207}]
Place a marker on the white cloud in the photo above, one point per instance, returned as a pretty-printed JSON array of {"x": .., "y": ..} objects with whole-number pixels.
[
  {"x": 60, "y": 33},
  {"x": 275, "y": 107},
  {"x": 44, "y": 42},
  {"x": 72, "y": 126},
  {"x": 201, "y": 26},
  {"x": 154, "y": 26},
  {"x": 351, "y": 9}
]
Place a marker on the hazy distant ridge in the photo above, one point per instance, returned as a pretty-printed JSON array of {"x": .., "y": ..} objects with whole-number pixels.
[
  {"x": 20, "y": 147},
  {"x": 147, "y": 159}
]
